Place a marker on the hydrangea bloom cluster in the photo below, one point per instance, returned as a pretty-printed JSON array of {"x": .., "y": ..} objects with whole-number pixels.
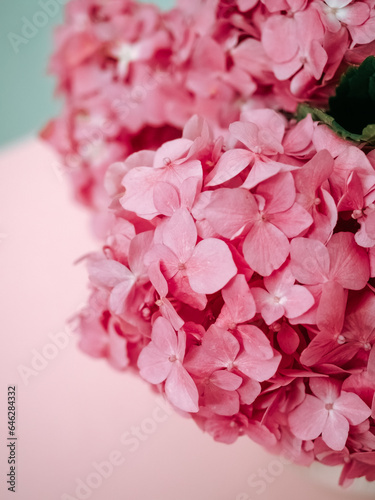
[
  {"x": 132, "y": 76},
  {"x": 237, "y": 279}
]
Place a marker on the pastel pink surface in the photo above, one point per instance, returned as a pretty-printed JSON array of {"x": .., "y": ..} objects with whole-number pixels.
[{"x": 77, "y": 411}]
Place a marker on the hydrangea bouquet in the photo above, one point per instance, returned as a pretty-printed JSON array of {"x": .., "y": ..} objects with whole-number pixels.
[{"x": 226, "y": 151}]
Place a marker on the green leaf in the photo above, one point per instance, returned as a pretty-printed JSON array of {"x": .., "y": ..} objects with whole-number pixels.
[{"x": 351, "y": 112}]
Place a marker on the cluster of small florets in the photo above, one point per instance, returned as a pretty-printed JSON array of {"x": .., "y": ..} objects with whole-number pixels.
[
  {"x": 132, "y": 75},
  {"x": 237, "y": 279},
  {"x": 237, "y": 270}
]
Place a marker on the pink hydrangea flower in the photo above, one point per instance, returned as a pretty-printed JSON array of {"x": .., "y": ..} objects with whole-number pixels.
[
  {"x": 238, "y": 256},
  {"x": 328, "y": 412},
  {"x": 161, "y": 360}
]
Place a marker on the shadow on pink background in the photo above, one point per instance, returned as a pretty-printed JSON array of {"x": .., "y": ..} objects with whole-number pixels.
[{"x": 85, "y": 430}]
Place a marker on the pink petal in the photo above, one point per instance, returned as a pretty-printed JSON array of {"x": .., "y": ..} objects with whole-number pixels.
[
  {"x": 255, "y": 342},
  {"x": 164, "y": 337},
  {"x": 258, "y": 369},
  {"x": 299, "y": 137},
  {"x": 349, "y": 262},
  {"x": 230, "y": 210},
  {"x": 166, "y": 198},
  {"x": 262, "y": 169},
  {"x": 157, "y": 279},
  {"x": 180, "y": 234},
  {"x": 352, "y": 407},
  {"x": 265, "y": 248},
  {"x": 327, "y": 390},
  {"x": 331, "y": 309},
  {"x": 119, "y": 295},
  {"x": 279, "y": 38},
  {"x": 309, "y": 260},
  {"x": 221, "y": 402},
  {"x": 269, "y": 308},
  {"x": 117, "y": 350},
  {"x": 226, "y": 380},
  {"x": 211, "y": 266},
  {"x": 355, "y": 14},
  {"x": 298, "y": 300},
  {"x": 279, "y": 192},
  {"x": 153, "y": 365},
  {"x": 238, "y": 300},
  {"x": 245, "y": 132},
  {"x": 181, "y": 390},
  {"x": 138, "y": 248},
  {"x": 168, "y": 261},
  {"x": 336, "y": 430},
  {"x": 108, "y": 273},
  {"x": 139, "y": 186},
  {"x": 307, "y": 421},
  {"x": 230, "y": 164},
  {"x": 311, "y": 176},
  {"x": 292, "y": 222},
  {"x": 249, "y": 391},
  {"x": 171, "y": 150},
  {"x": 218, "y": 350}
]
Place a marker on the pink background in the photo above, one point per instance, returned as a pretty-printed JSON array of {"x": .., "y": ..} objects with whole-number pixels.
[{"x": 74, "y": 412}]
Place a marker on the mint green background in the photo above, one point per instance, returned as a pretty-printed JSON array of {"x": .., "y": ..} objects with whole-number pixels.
[{"x": 26, "y": 91}]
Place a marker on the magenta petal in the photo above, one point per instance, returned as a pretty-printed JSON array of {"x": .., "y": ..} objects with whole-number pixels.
[
  {"x": 288, "y": 339},
  {"x": 211, "y": 266},
  {"x": 336, "y": 430},
  {"x": 181, "y": 390},
  {"x": 265, "y": 248},
  {"x": 307, "y": 421}
]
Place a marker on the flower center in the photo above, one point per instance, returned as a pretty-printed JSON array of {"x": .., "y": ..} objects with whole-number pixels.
[
  {"x": 341, "y": 339},
  {"x": 357, "y": 214},
  {"x": 172, "y": 358},
  {"x": 329, "y": 406},
  {"x": 181, "y": 266}
]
